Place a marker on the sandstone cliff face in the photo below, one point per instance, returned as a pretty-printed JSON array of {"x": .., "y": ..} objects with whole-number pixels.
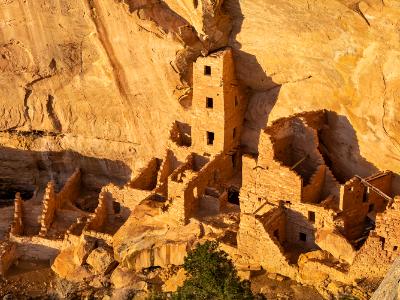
[
  {"x": 338, "y": 55},
  {"x": 107, "y": 78}
]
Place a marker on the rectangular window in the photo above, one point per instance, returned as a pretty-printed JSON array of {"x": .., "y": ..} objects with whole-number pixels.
[
  {"x": 236, "y": 101},
  {"x": 276, "y": 234},
  {"x": 207, "y": 70},
  {"x": 311, "y": 216},
  {"x": 382, "y": 240},
  {"x": 234, "y": 133},
  {"x": 210, "y": 138},
  {"x": 395, "y": 248},
  {"x": 302, "y": 237},
  {"x": 209, "y": 102}
]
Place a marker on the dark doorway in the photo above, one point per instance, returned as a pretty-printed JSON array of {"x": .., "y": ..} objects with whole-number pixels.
[
  {"x": 233, "y": 196},
  {"x": 209, "y": 102},
  {"x": 207, "y": 70},
  {"x": 210, "y": 138}
]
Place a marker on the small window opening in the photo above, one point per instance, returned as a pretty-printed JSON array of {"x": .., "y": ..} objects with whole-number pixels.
[
  {"x": 210, "y": 138},
  {"x": 209, "y": 102},
  {"x": 302, "y": 237},
  {"x": 236, "y": 101},
  {"x": 276, "y": 234},
  {"x": 382, "y": 240},
  {"x": 371, "y": 207},
  {"x": 207, "y": 70},
  {"x": 234, "y": 133},
  {"x": 365, "y": 194},
  {"x": 394, "y": 248},
  {"x": 195, "y": 3},
  {"x": 352, "y": 189},
  {"x": 233, "y": 196},
  {"x": 311, "y": 216}
]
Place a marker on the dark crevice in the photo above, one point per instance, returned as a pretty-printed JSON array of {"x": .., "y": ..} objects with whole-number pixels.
[{"x": 52, "y": 115}]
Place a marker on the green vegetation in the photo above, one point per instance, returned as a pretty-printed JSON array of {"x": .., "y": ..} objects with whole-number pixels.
[{"x": 211, "y": 275}]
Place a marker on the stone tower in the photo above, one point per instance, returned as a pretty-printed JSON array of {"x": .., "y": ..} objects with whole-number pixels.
[{"x": 218, "y": 105}]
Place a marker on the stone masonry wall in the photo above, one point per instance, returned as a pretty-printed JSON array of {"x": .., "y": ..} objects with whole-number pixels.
[
  {"x": 382, "y": 245},
  {"x": 187, "y": 187},
  {"x": 357, "y": 201},
  {"x": 99, "y": 217},
  {"x": 71, "y": 189},
  {"x": 313, "y": 191},
  {"x": 266, "y": 180},
  {"x": 382, "y": 181},
  {"x": 218, "y": 104},
  {"x": 17, "y": 226},
  {"x": 49, "y": 208},
  {"x": 267, "y": 252},
  {"x": 7, "y": 256},
  {"x": 147, "y": 176},
  {"x": 307, "y": 218}
]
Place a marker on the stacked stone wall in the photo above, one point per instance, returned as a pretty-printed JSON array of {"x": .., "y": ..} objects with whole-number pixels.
[
  {"x": 307, "y": 218},
  {"x": 71, "y": 190},
  {"x": 49, "y": 208},
  {"x": 7, "y": 256},
  {"x": 99, "y": 217},
  {"x": 186, "y": 187},
  {"x": 265, "y": 180},
  {"x": 147, "y": 176},
  {"x": 268, "y": 253},
  {"x": 312, "y": 192},
  {"x": 17, "y": 226}
]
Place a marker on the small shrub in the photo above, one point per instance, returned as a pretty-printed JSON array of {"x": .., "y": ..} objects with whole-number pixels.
[{"x": 211, "y": 275}]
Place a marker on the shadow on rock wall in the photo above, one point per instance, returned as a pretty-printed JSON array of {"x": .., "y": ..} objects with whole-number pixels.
[
  {"x": 24, "y": 170},
  {"x": 262, "y": 90},
  {"x": 339, "y": 142}
]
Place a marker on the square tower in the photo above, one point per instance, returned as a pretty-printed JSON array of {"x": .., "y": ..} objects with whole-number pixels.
[{"x": 218, "y": 104}]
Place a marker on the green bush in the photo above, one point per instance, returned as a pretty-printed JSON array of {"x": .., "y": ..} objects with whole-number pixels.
[{"x": 211, "y": 275}]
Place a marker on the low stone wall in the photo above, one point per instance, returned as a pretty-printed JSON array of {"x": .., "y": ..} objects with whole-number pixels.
[
  {"x": 126, "y": 196},
  {"x": 98, "y": 219},
  {"x": 186, "y": 186},
  {"x": 147, "y": 176},
  {"x": 37, "y": 247},
  {"x": 17, "y": 226},
  {"x": 7, "y": 256},
  {"x": 71, "y": 190}
]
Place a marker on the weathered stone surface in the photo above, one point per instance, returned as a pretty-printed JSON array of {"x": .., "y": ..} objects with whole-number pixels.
[
  {"x": 83, "y": 249},
  {"x": 389, "y": 288},
  {"x": 335, "y": 244},
  {"x": 123, "y": 277},
  {"x": 64, "y": 267},
  {"x": 101, "y": 260},
  {"x": 175, "y": 281}
]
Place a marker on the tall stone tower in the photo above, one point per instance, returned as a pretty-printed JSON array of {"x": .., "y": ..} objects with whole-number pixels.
[{"x": 218, "y": 104}]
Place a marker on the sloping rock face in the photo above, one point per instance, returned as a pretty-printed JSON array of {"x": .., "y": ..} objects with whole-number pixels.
[{"x": 63, "y": 62}]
